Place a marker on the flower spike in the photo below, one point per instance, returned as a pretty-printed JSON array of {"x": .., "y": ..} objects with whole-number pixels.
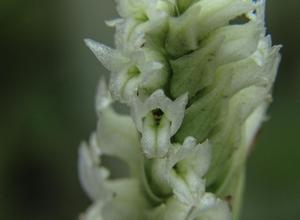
[{"x": 197, "y": 78}]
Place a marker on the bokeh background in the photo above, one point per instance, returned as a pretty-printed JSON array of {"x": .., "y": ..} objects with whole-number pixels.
[{"x": 48, "y": 81}]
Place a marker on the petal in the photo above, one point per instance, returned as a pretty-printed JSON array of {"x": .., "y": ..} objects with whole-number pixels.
[
  {"x": 142, "y": 10},
  {"x": 211, "y": 208},
  {"x": 203, "y": 17},
  {"x": 146, "y": 72},
  {"x": 92, "y": 176},
  {"x": 158, "y": 118},
  {"x": 94, "y": 212},
  {"x": 171, "y": 210},
  {"x": 128, "y": 203},
  {"x": 187, "y": 164},
  {"x": 109, "y": 58},
  {"x": 182, "y": 171},
  {"x": 103, "y": 97},
  {"x": 196, "y": 71},
  {"x": 117, "y": 136}
]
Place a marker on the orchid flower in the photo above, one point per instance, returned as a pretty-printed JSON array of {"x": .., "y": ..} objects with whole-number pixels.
[{"x": 197, "y": 77}]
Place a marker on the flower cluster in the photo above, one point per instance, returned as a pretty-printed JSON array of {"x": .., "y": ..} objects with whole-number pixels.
[{"x": 197, "y": 77}]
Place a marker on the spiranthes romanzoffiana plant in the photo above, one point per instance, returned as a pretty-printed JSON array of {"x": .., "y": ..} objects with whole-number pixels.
[{"x": 197, "y": 77}]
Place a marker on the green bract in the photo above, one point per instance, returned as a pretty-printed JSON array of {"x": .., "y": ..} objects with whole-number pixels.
[{"x": 197, "y": 76}]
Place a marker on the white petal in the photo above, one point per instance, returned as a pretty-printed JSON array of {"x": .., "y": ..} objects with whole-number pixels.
[
  {"x": 117, "y": 136},
  {"x": 192, "y": 161},
  {"x": 103, "y": 97},
  {"x": 94, "y": 212},
  {"x": 109, "y": 57},
  {"x": 156, "y": 137},
  {"x": 211, "y": 208},
  {"x": 92, "y": 176}
]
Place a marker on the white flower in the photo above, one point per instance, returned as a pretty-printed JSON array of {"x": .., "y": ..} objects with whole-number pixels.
[
  {"x": 158, "y": 118},
  {"x": 134, "y": 72},
  {"x": 197, "y": 77}
]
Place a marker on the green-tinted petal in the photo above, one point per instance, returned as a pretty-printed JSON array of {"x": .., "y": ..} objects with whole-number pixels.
[
  {"x": 197, "y": 21},
  {"x": 110, "y": 58},
  {"x": 211, "y": 208},
  {"x": 93, "y": 177},
  {"x": 158, "y": 118}
]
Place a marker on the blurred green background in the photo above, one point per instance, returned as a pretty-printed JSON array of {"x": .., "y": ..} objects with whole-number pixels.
[{"x": 48, "y": 82}]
